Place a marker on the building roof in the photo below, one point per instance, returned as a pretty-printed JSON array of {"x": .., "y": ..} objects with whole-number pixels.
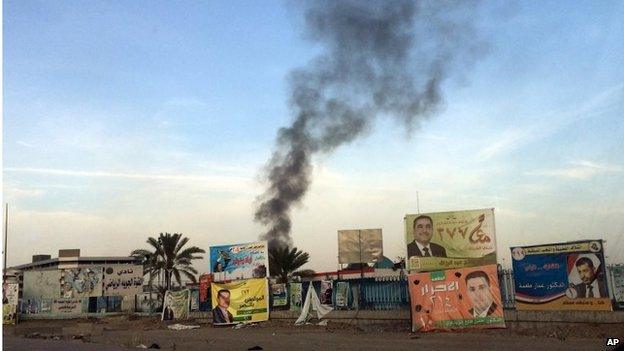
[{"x": 96, "y": 260}]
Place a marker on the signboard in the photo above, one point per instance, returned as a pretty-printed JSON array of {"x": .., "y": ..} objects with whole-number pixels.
[
  {"x": 240, "y": 261},
  {"x": 359, "y": 246},
  {"x": 240, "y": 301},
  {"x": 296, "y": 296},
  {"x": 123, "y": 280},
  {"x": 327, "y": 289},
  {"x": 456, "y": 299},
  {"x": 445, "y": 240},
  {"x": 176, "y": 305},
  {"x": 204, "y": 287},
  {"x": 71, "y": 306},
  {"x": 564, "y": 276},
  {"x": 617, "y": 273},
  {"x": 280, "y": 296},
  {"x": 342, "y": 294},
  {"x": 10, "y": 298}
]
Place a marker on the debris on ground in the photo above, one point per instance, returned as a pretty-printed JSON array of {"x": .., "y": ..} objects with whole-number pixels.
[
  {"x": 178, "y": 326},
  {"x": 323, "y": 322},
  {"x": 141, "y": 346},
  {"x": 255, "y": 348}
]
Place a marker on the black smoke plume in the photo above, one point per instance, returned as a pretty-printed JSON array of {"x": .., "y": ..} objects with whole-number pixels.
[{"x": 380, "y": 58}]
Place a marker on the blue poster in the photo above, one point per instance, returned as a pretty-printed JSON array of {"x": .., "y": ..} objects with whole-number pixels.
[
  {"x": 562, "y": 276},
  {"x": 240, "y": 261}
]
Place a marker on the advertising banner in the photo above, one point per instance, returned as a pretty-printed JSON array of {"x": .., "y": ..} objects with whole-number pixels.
[
  {"x": 240, "y": 261},
  {"x": 10, "y": 298},
  {"x": 123, "y": 280},
  {"x": 176, "y": 305},
  {"x": 327, "y": 290},
  {"x": 456, "y": 299},
  {"x": 617, "y": 273},
  {"x": 240, "y": 301},
  {"x": 563, "y": 276},
  {"x": 296, "y": 296},
  {"x": 446, "y": 240},
  {"x": 204, "y": 287},
  {"x": 359, "y": 246},
  {"x": 280, "y": 296},
  {"x": 342, "y": 294}
]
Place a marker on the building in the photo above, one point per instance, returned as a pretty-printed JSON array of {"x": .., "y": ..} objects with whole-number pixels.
[{"x": 71, "y": 285}]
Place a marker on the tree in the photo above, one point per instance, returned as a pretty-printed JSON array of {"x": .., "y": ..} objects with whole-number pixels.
[
  {"x": 168, "y": 258},
  {"x": 285, "y": 262}
]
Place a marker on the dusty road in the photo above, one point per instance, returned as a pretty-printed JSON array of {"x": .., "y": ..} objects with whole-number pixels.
[{"x": 121, "y": 333}]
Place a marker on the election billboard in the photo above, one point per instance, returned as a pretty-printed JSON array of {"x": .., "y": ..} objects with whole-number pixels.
[
  {"x": 176, "y": 305},
  {"x": 562, "y": 276},
  {"x": 10, "y": 298},
  {"x": 240, "y": 301},
  {"x": 280, "y": 295},
  {"x": 239, "y": 261},
  {"x": 456, "y": 299},
  {"x": 296, "y": 296},
  {"x": 617, "y": 275},
  {"x": 445, "y": 240}
]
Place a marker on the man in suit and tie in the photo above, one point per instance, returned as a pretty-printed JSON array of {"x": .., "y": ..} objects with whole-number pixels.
[
  {"x": 220, "y": 314},
  {"x": 590, "y": 286},
  {"x": 422, "y": 245}
]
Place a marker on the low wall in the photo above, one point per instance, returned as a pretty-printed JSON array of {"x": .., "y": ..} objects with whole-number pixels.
[{"x": 511, "y": 316}]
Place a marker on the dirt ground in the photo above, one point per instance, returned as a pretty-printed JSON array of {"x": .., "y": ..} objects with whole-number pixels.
[{"x": 127, "y": 332}]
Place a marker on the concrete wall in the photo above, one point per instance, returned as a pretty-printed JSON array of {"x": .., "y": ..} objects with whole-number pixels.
[{"x": 41, "y": 284}]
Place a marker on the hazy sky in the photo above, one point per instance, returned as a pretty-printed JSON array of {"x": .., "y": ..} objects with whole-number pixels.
[{"x": 126, "y": 119}]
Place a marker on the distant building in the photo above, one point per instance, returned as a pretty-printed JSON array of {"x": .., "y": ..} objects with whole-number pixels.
[{"x": 71, "y": 285}]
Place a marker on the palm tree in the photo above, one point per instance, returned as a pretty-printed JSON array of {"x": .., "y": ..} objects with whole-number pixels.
[
  {"x": 284, "y": 262},
  {"x": 168, "y": 259}
]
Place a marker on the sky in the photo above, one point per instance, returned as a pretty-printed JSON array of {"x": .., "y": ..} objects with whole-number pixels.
[{"x": 122, "y": 120}]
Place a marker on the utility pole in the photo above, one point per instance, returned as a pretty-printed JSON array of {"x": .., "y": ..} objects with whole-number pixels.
[{"x": 417, "y": 203}]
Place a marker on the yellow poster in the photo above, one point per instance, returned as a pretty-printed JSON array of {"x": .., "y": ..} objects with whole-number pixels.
[
  {"x": 240, "y": 301},
  {"x": 446, "y": 240}
]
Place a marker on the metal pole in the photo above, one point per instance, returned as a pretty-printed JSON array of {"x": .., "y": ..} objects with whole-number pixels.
[{"x": 417, "y": 203}]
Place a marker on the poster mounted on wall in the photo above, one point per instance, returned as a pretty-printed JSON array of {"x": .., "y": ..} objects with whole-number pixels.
[{"x": 239, "y": 261}]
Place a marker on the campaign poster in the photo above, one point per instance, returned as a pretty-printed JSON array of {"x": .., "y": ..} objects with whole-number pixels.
[
  {"x": 456, "y": 299},
  {"x": 10, "y": 298},
  {"x": 280, "y": 296},
  {"x": 617, "y": 273},
  {"x": 327, "y": 290},
  {"x": 562, "y": 276},
  {"x": 176, "y": 305},
  {"x": 239, "y": 261},
  {"x": 296, "y": 296},
  {"x": 342, "y": 294},
  {"x": 204, "y": 287},
  {"x": 240, "y": 301},
  {"x": 444, "y": 240}
]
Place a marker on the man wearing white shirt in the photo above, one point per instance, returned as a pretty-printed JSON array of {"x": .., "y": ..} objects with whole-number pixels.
[{"x": 590, "y": 286}]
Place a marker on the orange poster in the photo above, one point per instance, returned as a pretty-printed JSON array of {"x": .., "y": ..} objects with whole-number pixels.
[{"x": 456, "y": 299}]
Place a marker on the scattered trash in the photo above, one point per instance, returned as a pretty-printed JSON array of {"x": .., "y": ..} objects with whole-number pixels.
[
  {"x": 414, "y": 336},
  {"x": 141, "y": 346},
  {"x": 178, "y": 326},
  {"x": 323, "y": 322},
  {"x": 56, "y": 337},
  {"x": 238, "y": 326},
  {"x": 255, "y": 348},
  {"x": 78, "y": 337},
  {"x": 154, "y": 346},
  {"x": 32, "y": 335}
]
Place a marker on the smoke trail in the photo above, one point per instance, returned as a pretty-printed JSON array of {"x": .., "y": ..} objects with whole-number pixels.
[{"x": 381, "y": 58}]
